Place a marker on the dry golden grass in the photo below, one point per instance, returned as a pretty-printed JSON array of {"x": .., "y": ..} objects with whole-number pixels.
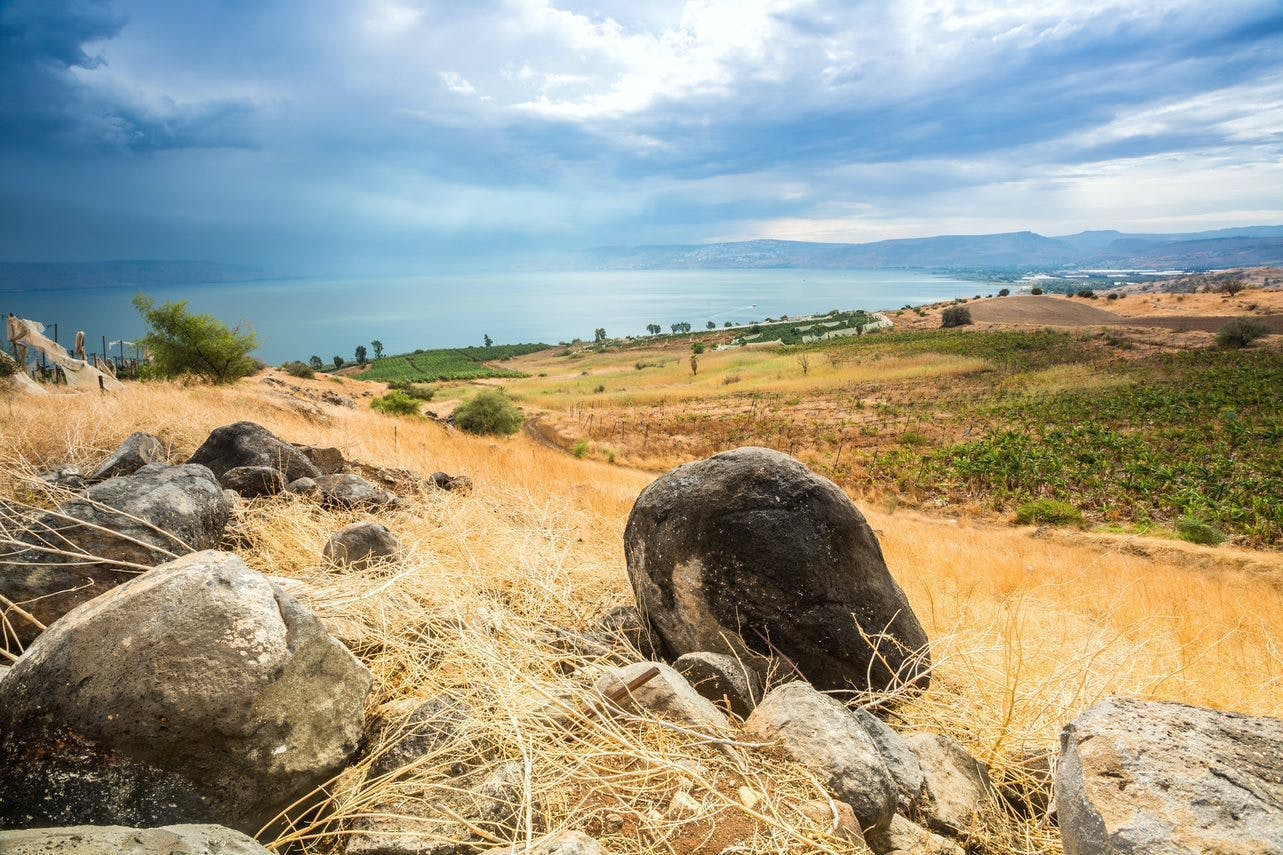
[{"x": 1026, "y": 631}]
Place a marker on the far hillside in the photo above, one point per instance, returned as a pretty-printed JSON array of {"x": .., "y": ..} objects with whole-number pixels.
[{"x": 459, "y": 363}]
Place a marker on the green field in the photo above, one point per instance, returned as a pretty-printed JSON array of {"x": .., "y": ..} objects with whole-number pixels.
[{"x": 459, "y": 363}]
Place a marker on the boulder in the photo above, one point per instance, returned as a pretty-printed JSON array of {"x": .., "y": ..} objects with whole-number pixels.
[
  {"x": 349, "y": 492},
  {"x": 118, "y": 840},
  {"x": 253, "y": 482},
  {"x": 747, "y": 553},
  {"x": 136, "y": 519},
  {"x": 248, "y": 444},
  {"x": 667, "y": 696},
  {"x": 957, "y": 785},
  {"x": 197, "y": 692},
  {"x": 903, "y": 837},
  {"x": 442, "y": 481},
  {"x": 441, "y": 820},
  {"x": 362, "y": 544},
  {"x": 562, "y": 843},
  {"x": 821, "y": 734},
  {"x": 838, "y": 819},
  {"x": 724, "y": 680},
  {"x": 413, "y": 730},
  {"x": 138, "y": 450},
  {"x": 328, "y": 461},
  {"x": 901, "y": 762},
  {"x": 1137, "y": 776}
]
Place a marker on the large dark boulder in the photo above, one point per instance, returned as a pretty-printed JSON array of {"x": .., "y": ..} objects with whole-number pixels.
[
  {"x": 104, "y": 537},
  {"x": 750, "y": 553},
  {"x": 198, "y": 692},
  {"x": 1137, "y": 776},
  {"x": 249, "y": 444}
]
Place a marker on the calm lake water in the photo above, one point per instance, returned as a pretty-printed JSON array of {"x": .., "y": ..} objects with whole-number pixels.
[{"x": 295, "y": 318}]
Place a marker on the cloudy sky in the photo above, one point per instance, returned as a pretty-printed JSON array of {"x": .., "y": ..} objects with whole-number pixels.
[{"x": 396, "y": 136}]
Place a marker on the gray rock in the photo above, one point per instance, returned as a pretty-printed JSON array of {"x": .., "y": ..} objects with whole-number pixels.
[
  {"x": 253, "y": 482},
  {"x": 823, "y": 735},
  {"x": 66, "y": 478},
  {"x": 348, "y": 492},
  {"x": 302, "y": 487},
  {"x": 1139, "y": 777},
  {"x": 747, "y": 552},
  {"x": 901, "y": 762},
  {"x": 485, "y": 798},
  {"x": 908, "y": 838},
  {"x": 724, "y": 680},
  {"x": 667, "y": 696},
  {"x": 138, "y": 450},
  {"x": 328, "y": 461},
  {"x": 197, "y": 692},
  {"x": 135, "y": 519},
  {"x": 957, "y": 785},
  {"x": 838, "y": 819},
  {"x": 562, "y": 843},
  {"x": 362, "y": 544},
  {"x": 118, "y": 840},
  {"x": 248, "y": 444},
  {"x": 429, "y": 728},
  {"x": 459, "y": 483}
]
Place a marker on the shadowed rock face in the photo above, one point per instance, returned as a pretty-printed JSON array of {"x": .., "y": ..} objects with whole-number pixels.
[
  {"x": 118, "y": 840},
  {"x": 197, "y": 692},
  {"x": 1138, "y": 777},
  {"x": 136, "y": 519},
  {"x": 749, "y": 552}
]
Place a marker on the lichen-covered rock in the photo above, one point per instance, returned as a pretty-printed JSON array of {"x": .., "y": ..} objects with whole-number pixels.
[
  {"x": 903, "y": 837},
  {"x": 249, "y": 444},
  {"x": 349, "y": 492},
  {"x": 362, "y": 544},
  {"x": 724, "y": 680},
  {"x": 197, "y": 692},
  {"x": 118, "y": 840},
  {"x": 667, "y": 696},
  {"x": 957, "y": 786},
  {"x": 823, "y": 735},
  {"x": 1138, "y": 777},
  {"x": 138, "y": 450},
  {"x": 900, "y": 761},
  {"x": 88, "y": 545},
  {"x": 302, "y": 487},
  {"x": 749, "y": 553},
  {"x": 253, "y": 482}
]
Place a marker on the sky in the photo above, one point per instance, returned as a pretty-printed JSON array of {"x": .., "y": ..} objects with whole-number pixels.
[{"x": 371, "y": 136}]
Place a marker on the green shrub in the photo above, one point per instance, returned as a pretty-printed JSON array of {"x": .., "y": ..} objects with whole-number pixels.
[
  {"x": 1087, "y": 293},
  {"x": 181, "y": 343},
  {"x": 610, "y": 456},
  {"x": 912, "y": 438},
  {"x": 580, "y": 449},
  {"x": 1048, "y": 512},
  {"x": 1240, "y": 332},
  {"x": 396, "y": 403},
  {"x": 299, "y": 369},
  {"x": 1195, "y": 530},
  {"x": 955, "y": 316},
  {"x": 419, "y": 391},
  {"x": 489, "y": 412}
]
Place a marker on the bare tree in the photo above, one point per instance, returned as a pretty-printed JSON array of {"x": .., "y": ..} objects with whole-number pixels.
[{"x": 804, "y": 360}]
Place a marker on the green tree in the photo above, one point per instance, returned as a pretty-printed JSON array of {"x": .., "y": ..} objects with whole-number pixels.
[
  {"x": 489, "y": 412},
  {"x": 955, "y": 316},
  {"x": 181, "y": 343},
  {"x": 360, "y": 354},
  {"x": 338, "y": 362},
  {"x": 653, "y": 329},
  {"x": 711, "y": 325},
  {"x": 488, "y": 341},
  {"x": 378, "y": 349},
  {"x": 599, "y": 334},
  {"x": 316, "y": 363}
]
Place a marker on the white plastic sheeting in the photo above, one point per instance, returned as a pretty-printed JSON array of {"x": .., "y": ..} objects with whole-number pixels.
[{"x": 28, "y": 335}]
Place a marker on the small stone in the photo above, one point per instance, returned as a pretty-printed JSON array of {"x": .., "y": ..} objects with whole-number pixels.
[
  {"x": 667, "y": 696},
  {"x": 349, "y": 492},
  {"x": 563, "y": 843},
  {"x": 837, "y": 818},
  {"x": 459, "y": 483},
  {"x": 907, "y": 838},
  {"x": 362, "y": 544},
  {"x": 957, "y": 784},
  {"x": 724, "y": 680},
  {"x": 302, "y": 487}
]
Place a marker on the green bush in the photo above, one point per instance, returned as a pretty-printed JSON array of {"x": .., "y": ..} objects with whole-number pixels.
[
  {"x": 1048, "y": 512},
  {"x": 418, "y": 391},
  {"x": 299, "y": 369},
  {"x": 1240, "y": 332},
  {"x": 396, "y": 403},
  {"x": 580, "y": 449},
  {"x": 1087, "y": 294},
  {"x": 1195, "y": 530},
  {"x": 181, "y": 343},
  {"x": 955, "y": 316},
  {"x": 489, "y": 412}
]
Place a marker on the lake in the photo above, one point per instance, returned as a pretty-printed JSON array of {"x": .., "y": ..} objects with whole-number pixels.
[{"x": 295, "y": 318}]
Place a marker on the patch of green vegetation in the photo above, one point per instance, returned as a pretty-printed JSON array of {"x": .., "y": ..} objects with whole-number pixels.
[
  {"x": 1048, "y": 512},
  {"x": 1196, "y": 530},
  {"x": 299, "y": 369},
  {"x": 460, "y": 363},
  {"x": 490, "y": 412},
  {"x": 794, "y": 331},
  {"x": 420, "y": 391},
  {"x": 396, "y": 403},
  {"x": 580, "y": 449}
]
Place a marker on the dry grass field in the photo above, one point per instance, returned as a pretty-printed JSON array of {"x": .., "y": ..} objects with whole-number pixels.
[{"x": 1027, "y": 630}]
